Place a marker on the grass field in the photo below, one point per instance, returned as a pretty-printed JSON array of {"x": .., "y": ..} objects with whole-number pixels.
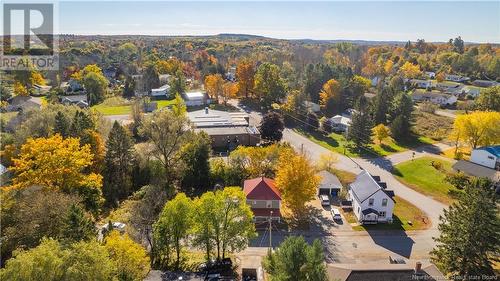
[
  {"x": 338, "y": 143},
  {"x": 125, "y": 109},
  {"x": 463, "y": 151},
  {"x": 433, "y": 126},
  {"x": 420, "y": 175}
]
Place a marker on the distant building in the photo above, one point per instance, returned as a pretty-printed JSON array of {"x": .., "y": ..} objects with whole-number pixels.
[
  {"x": 430, "y": 74},
  {"x": 161, "y": 92},
  {"x": 311, "y": 106},
  {"x": 433, "y": 97},
  {"x": 371, "y": 202},
  {"x": 263, "y": 198},
  {"x": 78, "y": 100},
  {"x": 40, "y": 90},
  {"x": 485, "y": 83},
  {"x": 456, "y": 78},
  {"x": 22, "y": 103},
  {"x": 195, "y": 98},
  {"x": 227, "y": 130},
  {"x": 424, "y": 84}
]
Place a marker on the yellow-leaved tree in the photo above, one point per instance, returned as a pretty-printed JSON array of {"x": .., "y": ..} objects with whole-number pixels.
[
  {"x": 130, "y": 258},
  {"x": 297, "y": 182},
  {"x": 61, "y": 164},
  {"x": 330, "y": 96},
  {"x": 381, "y": 132},
  {"x": 213, "y": 86},
  {"x": 410, "y": 70},
  {"x": 478, "y": 128}
]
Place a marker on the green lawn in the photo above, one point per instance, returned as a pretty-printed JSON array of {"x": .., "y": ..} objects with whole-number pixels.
[
  {"x": 338, "y": 143},
  {"x": 420, "y": 175},
  {"x": 125, "y": 109}
]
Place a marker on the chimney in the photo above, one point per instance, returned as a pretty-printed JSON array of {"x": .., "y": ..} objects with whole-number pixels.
[
  {"x": 418, "y": 267},
  {"x": 206, "y": 109}
]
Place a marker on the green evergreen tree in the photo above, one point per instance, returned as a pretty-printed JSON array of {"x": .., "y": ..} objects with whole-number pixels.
[
  {"x": 78, "y": 226},
  {"x": 361, "y": 125},
  {"x": 62, "y": 125},
  {"x": 81, "y": 122},
  {"x": 469, "y": 242},
  {"x": 118, "y": 165}
]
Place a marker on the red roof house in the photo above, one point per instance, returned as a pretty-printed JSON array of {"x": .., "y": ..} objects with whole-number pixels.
[{"x": 263, "y": 197}]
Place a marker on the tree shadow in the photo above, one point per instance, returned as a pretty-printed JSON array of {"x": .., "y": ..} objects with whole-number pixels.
[{"x": 387, "y": 148}]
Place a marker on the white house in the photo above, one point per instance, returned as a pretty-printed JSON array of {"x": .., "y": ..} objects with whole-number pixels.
[
  {"x": 456, "y": 78},
  {"x": 194, "y": 98},
  {"x": 434, "y": 97},
  {"x": 488, "y": 156},
  {"x": 371, "y": 203},
  {"x": 161, "y": 92},
  {"x": 340, "y": 123},
  {"x": 311, "y": 106},
  {"x": 421, "y": 83},
  {"x": 430, "y": 74}
]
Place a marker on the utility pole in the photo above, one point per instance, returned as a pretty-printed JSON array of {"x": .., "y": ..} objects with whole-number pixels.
[{"x": 270, "y": 234}]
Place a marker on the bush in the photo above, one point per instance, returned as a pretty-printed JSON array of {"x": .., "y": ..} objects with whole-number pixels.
[{"x": 428, "y": 107}]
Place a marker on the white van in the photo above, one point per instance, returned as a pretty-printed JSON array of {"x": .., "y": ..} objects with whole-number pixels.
[{"x": 325, "y": 201}]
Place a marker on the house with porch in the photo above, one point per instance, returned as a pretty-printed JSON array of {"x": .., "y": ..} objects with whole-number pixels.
[
  {"x": 263, "y": 198},
  {"x": 371, "y": 201}
]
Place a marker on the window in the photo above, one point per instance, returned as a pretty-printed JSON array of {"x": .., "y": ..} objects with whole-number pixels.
[
  {"x": 384, "y": 202},
  {"x": 491, "y": 157},
  {"x": 370, "y": 202},
  {"x": 358, "y": 210},
  {"x": 382, "y": 214}
]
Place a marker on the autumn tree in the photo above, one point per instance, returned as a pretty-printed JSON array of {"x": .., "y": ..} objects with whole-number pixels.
[
  {"x": 131, "y": 260},
  {"x": 410, "y": 70},
  {"x": 269, "y": 86},
  {"x": 202, "y": 229},
  {"x": 469, "y": 239},
  {"x": 330, "y": 97},
  {"x": 232, "y": 221},
  {"x": 245, "y": 72},
  {"x": 58, "y": 163},
  {"x": 119, "y": 163},
  {"x": 381, "y": 132},
  {"x": 489, "y": 99},
  {"x": 30, "y": 214},
  {"x": 213, "y": 86},
  {"x": 272, "y": 126},
  {"x": 297, "y": 181},
  {"x": 229, "y": 91},
  {"x": 167, "y": 133},
  {"x": 478, "y": 128},
  {"x": 95, "y": 85},
  {"x": 172, "y": 228}
]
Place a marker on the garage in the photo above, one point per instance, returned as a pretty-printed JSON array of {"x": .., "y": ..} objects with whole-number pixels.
[{"x": 330, "y": 184}]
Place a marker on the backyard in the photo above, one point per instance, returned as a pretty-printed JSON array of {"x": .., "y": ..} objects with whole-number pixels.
[
  {"x": 427, "y": 178},
  {"x": 406, "y": 216},
  {"x": 108, "y": 108}
]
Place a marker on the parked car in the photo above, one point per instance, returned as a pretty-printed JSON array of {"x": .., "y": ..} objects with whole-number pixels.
[
  {"x": 336, "y": 214},
  {"x": 325, "y": 201}
]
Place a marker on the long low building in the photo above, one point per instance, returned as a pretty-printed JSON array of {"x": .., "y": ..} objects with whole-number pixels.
[{"x": 226, "y": 129}]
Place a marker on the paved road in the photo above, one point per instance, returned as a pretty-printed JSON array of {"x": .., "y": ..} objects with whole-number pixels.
[{"x": 446, "y": 113}]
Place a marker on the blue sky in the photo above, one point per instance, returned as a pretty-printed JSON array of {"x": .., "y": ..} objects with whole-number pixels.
[{"x": 373, "y": 20}]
